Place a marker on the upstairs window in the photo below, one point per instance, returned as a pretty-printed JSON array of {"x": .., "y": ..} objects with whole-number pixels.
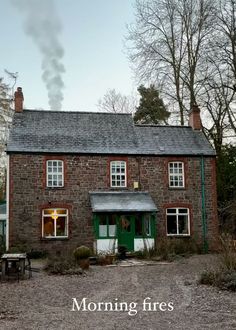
[
  {"x": 118, "y": 174},
  {"x": 178, "y": 222},
  {"x": 176, "y": 175},
  {"x": 55, "y": 173},
  {"x": 55, "y": 223}
]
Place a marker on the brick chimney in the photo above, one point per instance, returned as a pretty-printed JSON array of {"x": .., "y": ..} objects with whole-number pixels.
[
  {"x": 19, "y": 98},
  {"x": 195, "y": 118}
]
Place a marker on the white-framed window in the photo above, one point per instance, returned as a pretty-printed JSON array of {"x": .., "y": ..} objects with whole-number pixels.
[
  {"x": 55, "y": 223},
  {"x": 118, "y": 174},
  {"x": 178, "y": 222},
  {"x": 176, "y": 174},
  {"x": 55, "y": 173}
]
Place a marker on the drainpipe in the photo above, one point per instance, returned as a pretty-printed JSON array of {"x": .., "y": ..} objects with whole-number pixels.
[{"x": 204, "y": 224}]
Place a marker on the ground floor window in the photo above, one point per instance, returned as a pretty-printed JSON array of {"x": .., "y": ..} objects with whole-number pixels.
[
  {"x": 114, "y": 224},
  {"x": 142, "y": 225},
  {"x": 55, "y": 223},
  {"x": 107, "y": 225},
  {"x": 178, "y": 223}
]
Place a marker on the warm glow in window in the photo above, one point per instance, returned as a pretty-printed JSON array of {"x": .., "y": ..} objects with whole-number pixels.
[{"x": 55, "y": 223}]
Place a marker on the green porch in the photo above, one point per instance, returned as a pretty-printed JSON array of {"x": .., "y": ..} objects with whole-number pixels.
[{"x": 123, "y": 219}]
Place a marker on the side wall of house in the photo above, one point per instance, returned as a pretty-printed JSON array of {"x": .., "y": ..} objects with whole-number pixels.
[{"x": 83, "y": 173}]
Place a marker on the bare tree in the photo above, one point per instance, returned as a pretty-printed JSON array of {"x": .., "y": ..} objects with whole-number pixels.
[
  {"x": 216, "y": 100},
  {"x": 168, "y": 42},
  {"x": 6, "y": 114},
  {"x": 225, "y": 53},
  {"x": 116, "y": 102}
]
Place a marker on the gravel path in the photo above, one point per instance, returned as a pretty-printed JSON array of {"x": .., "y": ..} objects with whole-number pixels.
[{"x": 45, "y": 302}]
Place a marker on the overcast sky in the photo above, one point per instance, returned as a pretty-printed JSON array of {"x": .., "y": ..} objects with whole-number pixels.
[{"x": 93, "y": 41}]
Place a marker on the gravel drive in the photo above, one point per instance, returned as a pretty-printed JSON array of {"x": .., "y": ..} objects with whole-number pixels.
[{"x": 45, "y": 302}]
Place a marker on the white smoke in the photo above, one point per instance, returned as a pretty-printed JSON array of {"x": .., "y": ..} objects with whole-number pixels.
[{"x": 43, "y": 25}]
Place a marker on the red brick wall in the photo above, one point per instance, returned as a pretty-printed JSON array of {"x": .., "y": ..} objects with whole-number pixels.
[{"x": 29, "y": 195}]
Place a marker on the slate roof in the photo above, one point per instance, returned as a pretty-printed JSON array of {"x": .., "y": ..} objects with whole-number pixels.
[
  {"x": 122, "y": 202},
  {"x": 100, "y": 133}
]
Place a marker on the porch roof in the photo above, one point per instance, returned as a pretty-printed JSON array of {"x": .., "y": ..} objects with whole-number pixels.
[{"x": 122, "y": 202}]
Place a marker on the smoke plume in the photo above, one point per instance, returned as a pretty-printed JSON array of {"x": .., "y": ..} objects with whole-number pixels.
[{"x": 43, "y": 25}]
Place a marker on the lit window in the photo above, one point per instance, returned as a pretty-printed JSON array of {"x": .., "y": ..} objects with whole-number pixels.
[
  {"x": 118, "y": 174},
  {"x": 178, "y": 222},
  {"x": 55, "y": 176},
  {"x": 55, "y": 223},
  {"x": 176, "y": 175}
]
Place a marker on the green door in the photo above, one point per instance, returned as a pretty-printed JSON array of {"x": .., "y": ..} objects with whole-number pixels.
[{"x": 126, "y": 231}]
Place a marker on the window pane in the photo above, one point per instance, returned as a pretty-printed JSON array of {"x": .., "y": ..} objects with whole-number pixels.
[
  {"x": 138, "y": 226},
  {"x": 102, "y": 225},
  {"x": 55, "y": 173},
  {"x": 55, "y": 222},
  {"x": 48, "y": 211},
  {"x": 112, "y": 230},
  {"x": 118, "y": 175},
  {"x": 176, "y": 177},
  {"x": 111, "y": 225},
  {"x": 61, "y": 226},
  {"x": 185, "y": 211},
  {"x": 125, "y": 223},
  {"x": 171, "y": 224},
  {"x": 48, "y": 229},
  {"x": 183, "y": 224},
  {"x": 171, "y": 211},
  {"x": 61, "y": 211},
  {"x": 103, "y": 230},
  {"x": 147, "y": 225}
]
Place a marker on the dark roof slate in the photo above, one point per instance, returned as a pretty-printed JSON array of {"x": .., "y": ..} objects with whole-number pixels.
[
  {"x": 100, "y": 133},
  {"x": 172, "y": 140}
]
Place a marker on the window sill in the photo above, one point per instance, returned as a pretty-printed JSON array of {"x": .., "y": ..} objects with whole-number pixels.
[
  {"x": 55, "y": 188},
  {"x": 178, "y": 235},
  {"x": 176, "y": 188},
  {"x": 54, "y": 238},
  {"x": 108, "y": 237}
]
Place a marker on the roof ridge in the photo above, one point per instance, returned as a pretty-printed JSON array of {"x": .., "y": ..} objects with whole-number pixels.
[
  {"x": 166, "y": 126},
  {"x": 77, "y": 111}
]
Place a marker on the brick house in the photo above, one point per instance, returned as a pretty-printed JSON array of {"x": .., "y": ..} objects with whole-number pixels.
[{"x": 97, "y": 179}]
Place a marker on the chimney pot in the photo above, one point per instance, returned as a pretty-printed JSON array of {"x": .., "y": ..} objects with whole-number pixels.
[
  {"x": 19, "y": 98},
  {"x": 195, "y": 118}
]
